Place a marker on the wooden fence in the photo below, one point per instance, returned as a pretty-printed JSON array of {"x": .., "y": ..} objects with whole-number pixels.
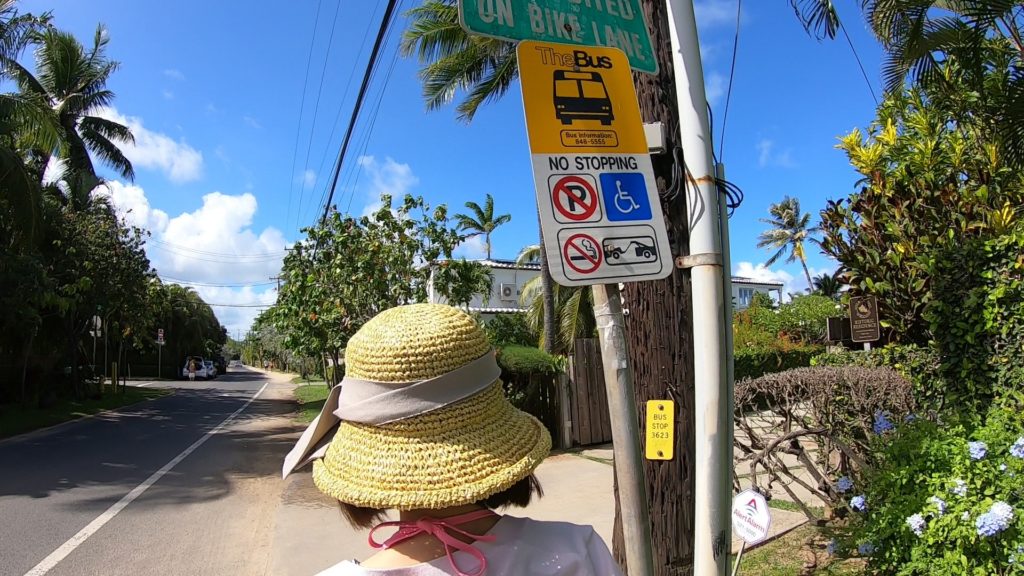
[{"x": 588, "y": 401}]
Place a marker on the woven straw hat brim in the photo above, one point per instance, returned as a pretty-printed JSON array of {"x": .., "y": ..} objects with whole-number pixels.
[{"x": 457, "y": 455}]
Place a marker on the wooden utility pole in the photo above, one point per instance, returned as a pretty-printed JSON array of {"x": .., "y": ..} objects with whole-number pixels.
[{"x": 659, "y": 328}]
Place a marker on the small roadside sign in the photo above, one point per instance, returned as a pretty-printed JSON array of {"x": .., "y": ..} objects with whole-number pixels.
[
  {"x": 598, "y": 200},
  {"x": 660, "y": 437},
  {"x": 751, "y": 517},
  {"x": 612, "y": 23},
  {"x": 864, "y": 326},
  {"x": 160, "y": 336}
]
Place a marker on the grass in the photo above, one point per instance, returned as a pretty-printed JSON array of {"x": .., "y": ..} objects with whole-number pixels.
[
  {"x": 311, "y": 399},
  {"x": 786, "y": 556},
  {"x": 15, "y": 419},
  {"x": 780, "y": 504}
]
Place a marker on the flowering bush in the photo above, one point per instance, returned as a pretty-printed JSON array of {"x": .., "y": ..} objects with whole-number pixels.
[{"x": 942, "y": 498}]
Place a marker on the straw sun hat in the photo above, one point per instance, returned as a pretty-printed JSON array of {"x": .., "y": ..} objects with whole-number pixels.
[{"x": 421, "y": 419}]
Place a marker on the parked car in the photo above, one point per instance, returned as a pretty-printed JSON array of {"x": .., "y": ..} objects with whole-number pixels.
[
  {"x": 236, "y": 364},
  {"x": 201, "y": 371},
  {"x": 211, "y": 369}
]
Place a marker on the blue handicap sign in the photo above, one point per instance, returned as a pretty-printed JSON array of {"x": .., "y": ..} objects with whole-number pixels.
[{"x": 625, "y": 196}]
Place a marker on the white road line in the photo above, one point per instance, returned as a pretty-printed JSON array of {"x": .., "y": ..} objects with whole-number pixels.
[
  {"x": 144, "y": 384},
  {"x": 75, "y": 541}
]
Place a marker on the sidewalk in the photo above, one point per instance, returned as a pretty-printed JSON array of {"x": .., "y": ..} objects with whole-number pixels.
[{"x": 310, "y": 533}]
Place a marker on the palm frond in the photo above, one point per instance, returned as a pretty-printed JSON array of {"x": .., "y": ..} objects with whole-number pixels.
[
  {"x": 107, "y": 151},
  {"x": 819, "y": 17}
]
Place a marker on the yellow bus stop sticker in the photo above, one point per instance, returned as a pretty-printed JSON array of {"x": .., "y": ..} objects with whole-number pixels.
[{"x": 661, "y": 419}]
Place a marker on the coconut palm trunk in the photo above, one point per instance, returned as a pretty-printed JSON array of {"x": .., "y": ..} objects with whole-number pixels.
[{"x": 548, "y": 294}]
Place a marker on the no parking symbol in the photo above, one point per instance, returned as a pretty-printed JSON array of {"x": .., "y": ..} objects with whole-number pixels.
[{"x": 575, "y": 198}]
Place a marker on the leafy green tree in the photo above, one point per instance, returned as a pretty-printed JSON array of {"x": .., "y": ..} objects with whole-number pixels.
[
  {"x": 574, "y": 313},
  {"x": 790, "y": 229},
  {"x": 461, "y": 280},
  {"x": 482, "y": 221},
  {"x": 927, "y": 184}
]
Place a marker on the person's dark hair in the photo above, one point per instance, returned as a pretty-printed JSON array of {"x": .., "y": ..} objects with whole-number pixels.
[{"x": 519, "y": 495}]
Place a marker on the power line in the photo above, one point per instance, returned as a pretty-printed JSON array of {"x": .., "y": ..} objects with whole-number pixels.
[
  {"x": 206, "y": 285},
  {"x": 302, "y": 107},
  {"x": 385, "y": 23},
  {"x": 182, "y": 247},
  {"x": 859, "y": 63},
  {"x": 316, "y": 108},
  {"x": 732, "y": 73}
]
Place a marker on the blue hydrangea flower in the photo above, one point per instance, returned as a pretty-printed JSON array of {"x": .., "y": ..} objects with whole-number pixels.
[
  {"x": 866, "y": 549},
  {"x": 1017, "y": 450},
  {"x": 916, "y": 523},
  {"x": 1002, "y": 467},
  {"x": 978, "y": 450},
  {"x": 882, "y": 422},
  {"x": 832, "y": 547},
  {"x": 844, "y": 484},
  {"x": 940, "y": 504},
  {"x": 859, "y": 503},
  {"x": 997, "y": 519},
  {"x": 910, "y": 418},
  {"x": 960, "y": 489}
]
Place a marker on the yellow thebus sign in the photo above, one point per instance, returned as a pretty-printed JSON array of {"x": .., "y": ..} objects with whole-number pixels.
[{"x": 579, "y": 99}]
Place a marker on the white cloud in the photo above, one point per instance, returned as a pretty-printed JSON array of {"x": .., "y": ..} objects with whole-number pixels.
[
  {"x": 762, "y": 273},
  {"x": 252, "y": 122},
  {"x": 168, "y": 95},
  {"x": 213, "y": 245},
  {"x": 308, "y": 178},
  {"x": 174, "y": 74},
  {"x": 768, "y": 155},
  {"x": 211, "y": 108},
  {"x": 388, "y": 178},
  {"x": 714, "y": 87},
  {"x": 133, "y": 206},
  {"x": 472, "y": 249},
  {"x": 157, "y": 151},
  {"x": 712, "y": 13}
]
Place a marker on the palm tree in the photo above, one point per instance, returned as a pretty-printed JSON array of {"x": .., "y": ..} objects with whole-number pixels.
[
  {"x": 535, "y": 253},
  {"x": 789, "y": 230},
  {"x": 453, "y": 60},
  {"x": 573, "y": 316},
  {"x": 72, "y": 81},
  {"x": 482, "y": 222},
  {"x": 827, "y": 285}
]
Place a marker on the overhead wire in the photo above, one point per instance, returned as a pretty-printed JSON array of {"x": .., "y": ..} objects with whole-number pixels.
[
  {"x": 302, "y": 107},
  {"x": 385, "y": 24},
  {"x": 206, "y": 285},
  {"x": 860, "y": 64},
  {"x": 316, "y": 107},
  {"x": 211, "y": 253},
  {"x": 732, "y": 73}
]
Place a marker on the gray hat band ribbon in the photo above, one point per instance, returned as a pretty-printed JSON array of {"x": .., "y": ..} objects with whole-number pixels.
[{"x": 376, "y": 403}]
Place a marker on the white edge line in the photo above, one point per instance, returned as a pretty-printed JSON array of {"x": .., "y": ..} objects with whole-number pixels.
[{"x": 75, "y": 541}]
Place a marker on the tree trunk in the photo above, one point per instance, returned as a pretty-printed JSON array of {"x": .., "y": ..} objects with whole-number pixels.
[
  {"x": 548, "y": 293},
  {"x": 807, "y": 273},
  {"x": 659, "y": 329}
]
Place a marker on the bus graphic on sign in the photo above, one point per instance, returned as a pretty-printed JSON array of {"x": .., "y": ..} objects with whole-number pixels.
[{"x": 581, "y": 96}]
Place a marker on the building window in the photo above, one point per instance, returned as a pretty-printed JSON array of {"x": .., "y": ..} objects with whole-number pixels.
[{"x": 746, "y": 297}]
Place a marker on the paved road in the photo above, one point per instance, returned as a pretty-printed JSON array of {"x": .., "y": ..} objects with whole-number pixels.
[{"x": 211, "y": 512}]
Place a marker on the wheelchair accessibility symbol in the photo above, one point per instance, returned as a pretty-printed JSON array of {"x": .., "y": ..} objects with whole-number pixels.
[{"x": 625, "y": 196}]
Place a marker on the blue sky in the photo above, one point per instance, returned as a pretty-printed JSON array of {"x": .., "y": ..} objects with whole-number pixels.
[{"x": 213, "y": 93}]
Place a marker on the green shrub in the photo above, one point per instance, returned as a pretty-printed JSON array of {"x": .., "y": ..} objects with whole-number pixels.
[
  {"x": 976, "y": 315},
  {"x": 926, "y": 496},
  {"x": 524, "y": 360},
  {"x": 510, "y": 329},
  {"x": 917, "y": 364},
  {"x": 754, "y": 362},
  {"x": 805, "y": 318}
]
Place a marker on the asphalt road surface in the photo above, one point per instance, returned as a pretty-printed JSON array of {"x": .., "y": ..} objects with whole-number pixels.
[{"x": 184, "y": 484}]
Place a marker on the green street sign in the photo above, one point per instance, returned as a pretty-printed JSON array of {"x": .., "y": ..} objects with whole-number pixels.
[{"x": 613, "y": 23}]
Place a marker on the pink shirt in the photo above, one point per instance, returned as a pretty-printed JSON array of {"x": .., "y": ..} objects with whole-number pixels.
[{"x": 522, "y": 547}]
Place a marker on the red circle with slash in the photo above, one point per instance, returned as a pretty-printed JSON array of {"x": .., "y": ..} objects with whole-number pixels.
[
  {"x": 582, "y": 253},
  {"x": 567, "y": 193}
]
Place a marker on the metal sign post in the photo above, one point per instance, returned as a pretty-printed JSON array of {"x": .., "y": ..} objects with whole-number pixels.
[
  {"x": 612, "y": 23},
  {"x": 159, "y": 353}
]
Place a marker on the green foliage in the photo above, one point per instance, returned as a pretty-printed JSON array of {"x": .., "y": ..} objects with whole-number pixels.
[
  {"x": 482, "y": 222},
  {"x": 804, "y": 318},
  {"x": 574, "y": 312},
  {"x": 918, "y": 364},
  {"x": 931, "y": 181},
  {"x": 525, "y": 360},
  {"x": 510, "y": 329},
  {"x": 977, "y": 314},
  {"x": 922, "y": 460},
  {"x": 753, "y": 362},
  {"x": 790, "y": 229},
  {"x": 461, "y": 280}
]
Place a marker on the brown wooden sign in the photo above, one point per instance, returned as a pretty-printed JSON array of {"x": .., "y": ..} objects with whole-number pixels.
[{"x": 864, "y": 325}]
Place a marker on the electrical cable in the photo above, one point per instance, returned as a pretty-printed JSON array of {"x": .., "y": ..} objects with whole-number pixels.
[
  {"x": 732, "y": 72},
  {"x": 210, "y": 253},
  {"x": 385, "y": 23},
  {"x": 316, "y": 107},
  {"x": 859, "y": 63},
  {"x": 205, "y": 285},
  {"x": 302, "y": 107}
]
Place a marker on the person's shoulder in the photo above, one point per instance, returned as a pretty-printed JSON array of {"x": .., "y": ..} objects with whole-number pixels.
[{"x": 548, "y": 531}]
